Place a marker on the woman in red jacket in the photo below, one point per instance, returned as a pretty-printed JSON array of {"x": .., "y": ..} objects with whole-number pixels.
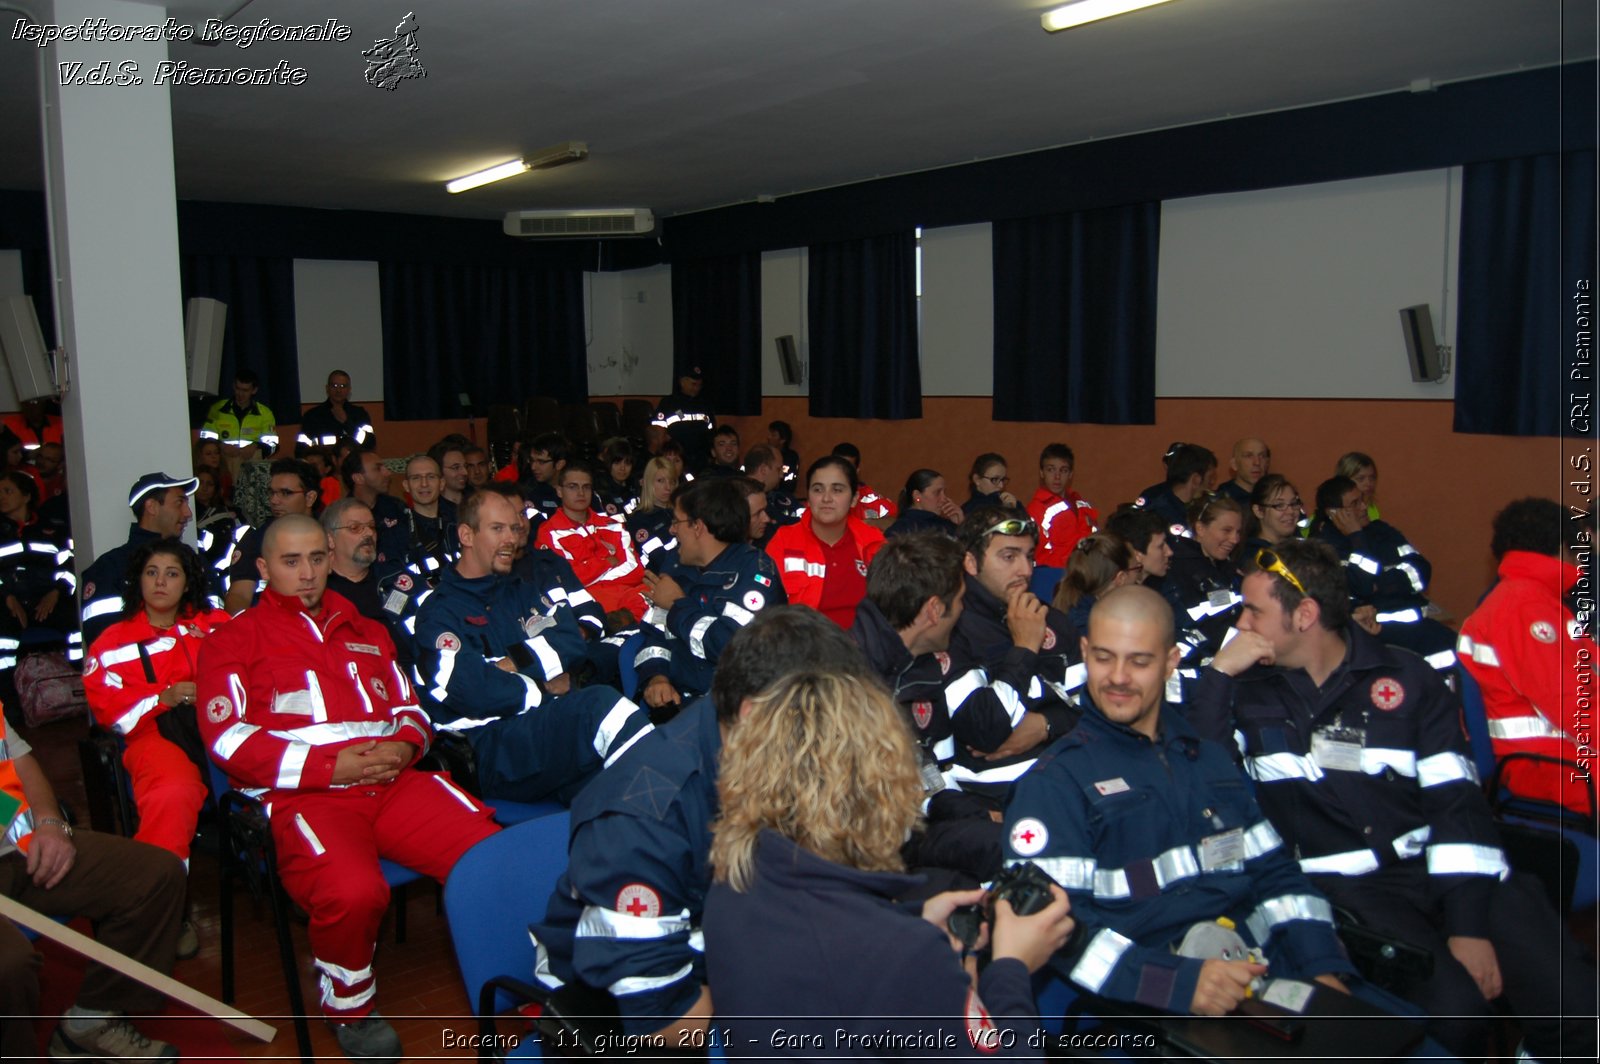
[
  {"x": 139, "y": 678},
  {"x": 823, "y": 558}
]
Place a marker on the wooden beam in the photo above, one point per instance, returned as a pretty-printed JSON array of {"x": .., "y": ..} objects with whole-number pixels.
[{"x": 143, "y": 973}]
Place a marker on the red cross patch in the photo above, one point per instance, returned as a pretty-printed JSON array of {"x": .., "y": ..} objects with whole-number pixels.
[
  {"x": 447, "y": 641},
  {"x": 402, "y": 582},
  {"x": 981, "y": 1031},
  {"x": 1543, "y": 631},
  {"x": 1049, "y": 639},
  {"x": 219, "y": 709},
  {"x": 922, "y": 712},
  {"x": 861, "y": 567},
  {"x": 379, "y": 688},
  {"x": 1029, "y": 836},
  {"x": 636, "y": 899},
  {"x": 1387, "y": 693},
  {"x": 90, "y": 665},
  {"x": 88, "y": 591},
  {"x": 944, "y": 662}
]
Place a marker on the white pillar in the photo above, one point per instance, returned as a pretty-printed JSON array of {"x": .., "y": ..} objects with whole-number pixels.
[{"x": 114, "y": 235}]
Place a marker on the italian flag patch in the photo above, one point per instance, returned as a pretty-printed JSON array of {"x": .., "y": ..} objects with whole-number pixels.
[{"x": 764, "y": 581}]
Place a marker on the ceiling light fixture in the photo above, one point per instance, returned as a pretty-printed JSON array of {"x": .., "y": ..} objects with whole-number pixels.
[
  {"x": 571, "y": 151},
  {"x": 1064, "y": 18},
  {"x": 484, "y": 177}
]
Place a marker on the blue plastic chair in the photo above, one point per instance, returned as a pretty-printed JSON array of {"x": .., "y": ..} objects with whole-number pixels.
[
  {"x": 508, "y": 812},
  {"x": 1525, "y": 812},
  {"x": 1045, "y": 579},
  {"x": 625, "y": 655},
  {"x": 495, "y": 891}
]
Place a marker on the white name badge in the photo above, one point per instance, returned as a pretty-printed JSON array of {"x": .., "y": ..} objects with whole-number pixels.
[
  {"x": 1221, "y": 850},
  {"x": 1338, "y": 750}
]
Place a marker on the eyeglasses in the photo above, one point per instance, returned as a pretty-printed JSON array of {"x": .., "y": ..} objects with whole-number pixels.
[
  {"x": 357, "y": 528},
  {"x": 286, "y": 493},
  {"x": 1002, "y": 481},
  {"x": 1269, "y": 562},
  {"x": 340, "y": 387},
  {"x": 1013, "y": 526},
  {"x": 1292, "y": 504}
]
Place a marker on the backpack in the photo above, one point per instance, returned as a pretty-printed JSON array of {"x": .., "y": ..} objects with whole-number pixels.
[{"x": 50, "y": 688}]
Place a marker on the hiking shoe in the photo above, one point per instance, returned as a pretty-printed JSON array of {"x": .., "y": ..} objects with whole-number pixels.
[
  {"x": 188, "y": 941},
  {"x": 115, "y": 1039},
  {"x": 369, "y": 1038}
]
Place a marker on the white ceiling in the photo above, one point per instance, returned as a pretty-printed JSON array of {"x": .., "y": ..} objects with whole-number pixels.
[{"x": 689, "y": 104}]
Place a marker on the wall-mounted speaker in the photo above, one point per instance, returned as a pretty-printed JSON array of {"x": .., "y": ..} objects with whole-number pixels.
[
  {"x": 22, "y": 344},
  {"x": 789, "y": 360},
  {"x": 203, "y": 323},
  {"x": 1421, "y": 348}
]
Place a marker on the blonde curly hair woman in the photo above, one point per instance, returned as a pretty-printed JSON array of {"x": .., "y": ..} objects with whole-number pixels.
[{"x": 819, "y": 791}]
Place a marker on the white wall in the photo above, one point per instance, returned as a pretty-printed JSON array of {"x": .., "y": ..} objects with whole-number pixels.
[
  {"x": 958, "y": 310},
  {"x": 1297, "y": 291},
  {"x": 1284, "y": 292},
  {"x": 783, "y": 313},
  {"x": 338, "y": 325},
  {"x": 10, "y": 285}
]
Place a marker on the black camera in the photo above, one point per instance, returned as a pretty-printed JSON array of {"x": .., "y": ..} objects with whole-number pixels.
[{"x": 1025, "y": 886}]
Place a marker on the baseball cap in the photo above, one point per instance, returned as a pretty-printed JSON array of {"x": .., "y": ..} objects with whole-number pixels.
[
  {"x": 693, "y": 373},
  {"x": 159, "y": 482}
]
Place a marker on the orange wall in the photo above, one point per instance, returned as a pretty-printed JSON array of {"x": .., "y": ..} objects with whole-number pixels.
[{"x": 1441, "y": 488}]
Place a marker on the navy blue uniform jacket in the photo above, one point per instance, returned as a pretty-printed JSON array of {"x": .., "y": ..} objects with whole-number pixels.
[
  {"x": 1415, "y": 804},
  {"x": 641, "y": 840},
  {"x": 1120, "y": 822}
]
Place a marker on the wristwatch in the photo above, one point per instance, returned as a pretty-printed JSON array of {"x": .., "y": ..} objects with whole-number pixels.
[{"x": 66, "y": 828}]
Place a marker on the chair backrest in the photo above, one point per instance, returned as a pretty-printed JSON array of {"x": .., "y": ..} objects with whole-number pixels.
[
  {"x": 1043, "y": 584},
  {"x": 636, "y": 415},
  {"x": 495, "y": 891},
  {"x": 608, "y": 419},
  {"x": 627, "y": 675},
  {"x": 1476, "y": 719}
]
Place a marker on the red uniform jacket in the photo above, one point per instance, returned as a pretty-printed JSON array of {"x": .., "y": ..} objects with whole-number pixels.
[
  {"x": 801, "y": 563},
  {"x": 1062, "y": 522},
  {"x": 1536, "y": 669},
  {"x": 282, "y": 692},
  {"x": 121, "y": 694},
  {"x": 601, "y": 553},
  {"x": 870, "y": 504}
]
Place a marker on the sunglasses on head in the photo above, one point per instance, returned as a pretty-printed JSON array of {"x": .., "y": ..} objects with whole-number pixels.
[
  {"x": 1269, "y": 562},
  {"x": 1013, "y": 526}
]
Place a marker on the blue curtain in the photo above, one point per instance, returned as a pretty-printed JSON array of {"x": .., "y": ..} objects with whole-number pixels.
[
  {"x": 716, "y": 325},
  {"x": 497, "y": 333},
  {"x": 1527, "y": 302},
  {"x": 260, "y": 332},
  {"x": 1075, "y": 316},
  {"x": 862, "y": 312}
]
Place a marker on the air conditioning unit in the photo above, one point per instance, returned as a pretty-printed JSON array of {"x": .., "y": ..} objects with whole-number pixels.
[{"x": 623, "y": 221}]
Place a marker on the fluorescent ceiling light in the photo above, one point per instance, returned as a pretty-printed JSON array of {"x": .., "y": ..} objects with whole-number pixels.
[
  {"x": 568, "y": 151},
  {"x": 1064, "y": 18},
  {"x": 484, "y": 177}
]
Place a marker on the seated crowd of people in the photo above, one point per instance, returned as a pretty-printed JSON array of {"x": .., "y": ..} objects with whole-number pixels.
[{"x": 801, "y": 727}]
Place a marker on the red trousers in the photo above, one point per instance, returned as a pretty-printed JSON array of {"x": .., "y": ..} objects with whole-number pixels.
[
  {"x": 328, "y": 845},
  {"x": 168, "y": 791}
]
